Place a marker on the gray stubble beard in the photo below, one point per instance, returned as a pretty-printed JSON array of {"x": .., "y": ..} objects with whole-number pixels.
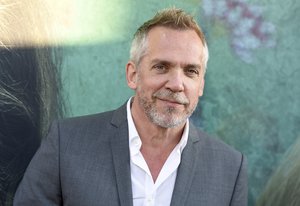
[{"x": 164, "y": 120}]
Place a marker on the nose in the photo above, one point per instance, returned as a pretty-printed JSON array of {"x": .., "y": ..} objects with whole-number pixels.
[{"x": 175, "y": 81}]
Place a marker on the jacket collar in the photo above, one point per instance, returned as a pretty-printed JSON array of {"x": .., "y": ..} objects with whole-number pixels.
[
  {"x": 186, "y": 170},
  {"x": 121, "y": 158}
]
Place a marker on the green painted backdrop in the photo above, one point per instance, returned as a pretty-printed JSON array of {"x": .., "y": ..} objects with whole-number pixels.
[{"x": 252, "y": 91}]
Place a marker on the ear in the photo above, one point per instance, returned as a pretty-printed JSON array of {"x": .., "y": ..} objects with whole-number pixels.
[
  {"x": 201, "y": 87},
  {"x": 131, "y": 75}
]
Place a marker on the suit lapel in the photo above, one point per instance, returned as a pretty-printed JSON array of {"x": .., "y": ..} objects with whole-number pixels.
[
  {"x": 186, "y": 170},
  {"x": 120, "y": 153}
]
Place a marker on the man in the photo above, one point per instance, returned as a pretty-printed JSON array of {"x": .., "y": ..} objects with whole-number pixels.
[{"x": 146, "y": 152}]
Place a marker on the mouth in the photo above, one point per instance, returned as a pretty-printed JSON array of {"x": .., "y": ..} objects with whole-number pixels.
[
  {"x": 171, "y": 102},
  {"x": 171, "y": 98}
]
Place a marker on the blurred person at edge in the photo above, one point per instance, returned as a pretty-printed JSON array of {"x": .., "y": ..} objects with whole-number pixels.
[
  {"x": 146, "y": 152},
  {"x": 283, "y": 188}
]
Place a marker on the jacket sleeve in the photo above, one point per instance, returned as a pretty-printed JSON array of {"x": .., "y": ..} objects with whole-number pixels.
[
  {"x": 41, "y": 182},
  {"x": 240, "y": 194}
]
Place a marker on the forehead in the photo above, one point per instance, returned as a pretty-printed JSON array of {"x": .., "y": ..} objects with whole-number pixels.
[{"x": 174, "y": 44}]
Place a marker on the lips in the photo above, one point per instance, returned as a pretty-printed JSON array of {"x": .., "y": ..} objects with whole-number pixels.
[
  {"x": 171, "y": 97},
  {"x": 171, "y": 101}
]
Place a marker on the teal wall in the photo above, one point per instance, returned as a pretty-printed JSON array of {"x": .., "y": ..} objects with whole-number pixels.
[{"x": 252, "y": 89}]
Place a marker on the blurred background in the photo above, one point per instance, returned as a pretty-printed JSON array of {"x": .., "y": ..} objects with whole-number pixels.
[{"x": 64, "y": 58}]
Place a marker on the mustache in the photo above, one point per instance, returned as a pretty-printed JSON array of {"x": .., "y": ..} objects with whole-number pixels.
[{"x": 168, "y": 95}]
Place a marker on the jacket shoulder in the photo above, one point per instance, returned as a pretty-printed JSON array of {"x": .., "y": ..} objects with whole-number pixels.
[
  {"x": 216, "y": 146},
  {"x": 97, "y": 121}
]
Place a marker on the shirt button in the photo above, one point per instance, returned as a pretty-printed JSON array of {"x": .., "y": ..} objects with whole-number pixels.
[
  {"x": 150, "y": 201},
  {"x": 136, "y": 142}
]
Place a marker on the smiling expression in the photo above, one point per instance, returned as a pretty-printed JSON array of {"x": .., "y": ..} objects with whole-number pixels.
[{"x": 170, "y": 77}]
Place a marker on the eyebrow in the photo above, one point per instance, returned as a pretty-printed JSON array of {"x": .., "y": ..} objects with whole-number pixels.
[
  {"x": 165, "y": 62},
  {"x": 169, "y": 63},
  {"x": 196, "y": 66}
]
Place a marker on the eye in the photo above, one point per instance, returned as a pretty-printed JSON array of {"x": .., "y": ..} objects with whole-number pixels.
[
  {"x": 192, "y": 72},
  {"x": 160, "y": 67}
]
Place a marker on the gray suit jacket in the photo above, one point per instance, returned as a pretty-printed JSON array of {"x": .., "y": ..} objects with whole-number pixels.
[{"x": 84, "y": 161}]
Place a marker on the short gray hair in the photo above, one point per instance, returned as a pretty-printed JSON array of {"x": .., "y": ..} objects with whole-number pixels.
[{"x": 171, "y": 18}]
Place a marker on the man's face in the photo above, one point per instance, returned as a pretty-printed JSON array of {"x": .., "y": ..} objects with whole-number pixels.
[{"x": 170, "y": 77}]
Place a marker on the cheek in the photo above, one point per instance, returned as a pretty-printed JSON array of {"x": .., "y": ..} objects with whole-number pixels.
[
  {"x": 151, "y": 85},
  {"x": 144, "y": 90},
  {"x": 194, "y": 98},
  {"x": 199, "y": 89},
  {"x": 193, "y": 95}
]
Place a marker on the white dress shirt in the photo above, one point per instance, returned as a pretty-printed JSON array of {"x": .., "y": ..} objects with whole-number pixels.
[{"x": 146, "y": 192}]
